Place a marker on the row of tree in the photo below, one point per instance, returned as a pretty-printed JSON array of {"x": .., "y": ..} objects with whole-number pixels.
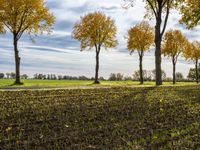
[
  {"x": 61, "y": 77},
  {"x": 140, "y": 39},
  {"x": 12, "y": 75},
  {"x": 97, "y": 30},
  {"x": 94, "y": 29}
]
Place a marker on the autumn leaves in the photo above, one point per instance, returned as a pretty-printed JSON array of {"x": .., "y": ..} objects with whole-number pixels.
[
  {"x": 140, "y": 38},
  {"x": 96, "y": 30},
  {"x": 20, "y": 16}
]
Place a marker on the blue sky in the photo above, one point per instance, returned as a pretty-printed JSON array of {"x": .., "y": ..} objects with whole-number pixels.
[{"x": 58, "y": 53}]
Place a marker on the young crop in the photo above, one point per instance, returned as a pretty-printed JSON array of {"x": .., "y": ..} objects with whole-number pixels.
[{"x": 113, "y": 118}]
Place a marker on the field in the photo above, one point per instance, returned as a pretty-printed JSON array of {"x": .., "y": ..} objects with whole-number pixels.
[
  {"x": 109, "y": 118},
  {"x": 50, "y": 83}
]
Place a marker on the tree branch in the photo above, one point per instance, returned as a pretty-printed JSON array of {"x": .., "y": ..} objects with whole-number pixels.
[
  {"x": 166, "y": 17},
  {"x": 23, "y": 19},
  {"x": 19, "y": 34},
  {"x": 154, "y": 11}
]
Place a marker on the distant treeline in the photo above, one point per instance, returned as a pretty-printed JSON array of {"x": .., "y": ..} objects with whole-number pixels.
[{"x": 149, "y": 75}]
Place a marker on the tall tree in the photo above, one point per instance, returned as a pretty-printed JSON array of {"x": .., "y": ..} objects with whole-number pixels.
[
  {"x": 95, "y": 30},
  {"x": 193, "y": 53},
  {"x": 191, "y": 13},
  {"x": 20, "y": 16},
  {"x": 174, "y": 44},
  {"x": 140, "y": 38},
  {"x": 160, "y": 10},
  {"x": 192, "y": 73}
]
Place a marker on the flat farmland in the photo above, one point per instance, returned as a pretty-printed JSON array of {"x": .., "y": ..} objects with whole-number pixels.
[
  {"x": 108, "y": 118},
  {"x": 8, "y": 83}
]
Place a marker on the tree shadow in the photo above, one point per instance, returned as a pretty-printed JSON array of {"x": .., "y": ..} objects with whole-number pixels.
[{"x": 98, "y": 119}]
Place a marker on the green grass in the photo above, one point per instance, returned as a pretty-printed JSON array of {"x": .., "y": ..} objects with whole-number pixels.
[
  {"x": 9, "y": 82},
  {"x": 108, "y": 118}
]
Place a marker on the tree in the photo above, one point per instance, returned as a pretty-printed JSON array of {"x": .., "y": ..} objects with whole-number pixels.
[
  {"x": 101, "y": 78},
  {"x": 136, "y": 75},
  {"x": 162, "y": 72},
  {"x": 193, "y": 53},
  {"x": 95, "y": 30},
  {"x": 128, "y": 78},
  {"x": 192, "y": 73},
  {"x": 112, "y": 77},
  {"x": 119, "y": 77},
  {"x": 19, "y": 16},
  {"x": 12, "y": 75},
  {"x": 160, "y": 10},
  {"x": 7, "y": 75},
  {"x": 82, "y": 78},
  {"x": 140, "y": 38},
  {"x": 190, "y": 13},
  {"x": 24, "y": 76},
  {"x": 179, "y": 76},
  {"x": 116, "y": 77},
  {"x": 1, "y": 75},
  {"x": 174, "y": 44},
  {"x": 60, "y": 77},
  {"x": 147, "y": 75}
]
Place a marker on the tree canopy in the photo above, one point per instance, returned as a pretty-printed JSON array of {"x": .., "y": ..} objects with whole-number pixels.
[
  {"x": 140, "y": 37},
  {"x": 95, "y": 29},
  {"x": 193, "y": 51},
  {"x": 29, "y": 16},
  {"x": 21, "y": 16},
  {"x": 190, "y": 13},
  {"x": 174, "y": 43},
  {"x": 1, "y": 28},
  {"x": 160, "y": 10}
]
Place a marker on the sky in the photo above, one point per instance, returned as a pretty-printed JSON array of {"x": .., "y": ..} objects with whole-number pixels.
[{"x": 59, "y": 54}]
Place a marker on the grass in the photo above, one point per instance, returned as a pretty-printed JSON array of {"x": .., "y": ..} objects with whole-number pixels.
[
  {"x": 113, "y": 118},
  {"x": 28, "y": 83}
]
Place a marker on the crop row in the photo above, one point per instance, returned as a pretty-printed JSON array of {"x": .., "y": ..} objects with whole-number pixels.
[{"x": 113, "y": 118}]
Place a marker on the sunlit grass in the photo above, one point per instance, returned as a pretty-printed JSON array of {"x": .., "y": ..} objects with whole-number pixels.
[{"x": 31, "y": 82}]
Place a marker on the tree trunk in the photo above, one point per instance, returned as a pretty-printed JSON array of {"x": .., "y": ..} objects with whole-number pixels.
[
  {"x": 141, "y": 71},
  {"x": 17, "y": 60},
  {"x": 197, "y": 73},
  {"x": 96, "y": 81},
  {"x": 158, "y": 40},
  {"x": 174, "y": 72}
]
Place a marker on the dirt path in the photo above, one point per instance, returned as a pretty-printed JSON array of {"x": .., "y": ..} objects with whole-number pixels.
[
  {"x": 22, "y": 88},
  {"x": 15, "y": 88}
]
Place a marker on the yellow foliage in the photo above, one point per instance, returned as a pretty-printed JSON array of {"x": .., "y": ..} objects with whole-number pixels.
[
  {"x": 95, "y": 29},
  {"x": 29, "y": 16},
  {"x": 190, "y": 13},
  {"x": 140, "y": 37},
  {"x": 193, "y": 51},
  {"x": 174, "y": 43},
  {"x": 1, "y": 27}
]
